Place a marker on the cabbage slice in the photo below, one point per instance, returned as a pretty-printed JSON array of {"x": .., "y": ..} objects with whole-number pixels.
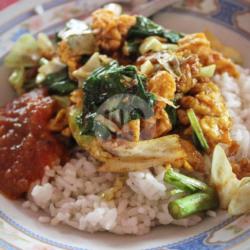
[
  {"x": 167, "y": 147},
  {"x": 223, "y": 178},
  {"x": 233, "y": 193},
  {"x": 240, "y": 202},
  {"x": 95, "y": 61},
  {"x": 24, "y": 53}
]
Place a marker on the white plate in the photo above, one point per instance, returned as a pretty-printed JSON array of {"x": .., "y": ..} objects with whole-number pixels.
[{"x": 227, "y": 19}]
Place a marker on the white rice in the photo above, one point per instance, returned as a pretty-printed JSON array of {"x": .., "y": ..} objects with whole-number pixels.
[
  {"x": 70, "y": 194},
  {"x": 237, "y": 95}
]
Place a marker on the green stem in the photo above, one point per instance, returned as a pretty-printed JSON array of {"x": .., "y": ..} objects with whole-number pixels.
[
  {"x": 192, "y": 204},
  {"x": 185, "y": 183}
]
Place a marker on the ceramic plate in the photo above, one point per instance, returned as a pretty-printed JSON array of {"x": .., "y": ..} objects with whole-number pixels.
[{"x": 19, "y": 229}]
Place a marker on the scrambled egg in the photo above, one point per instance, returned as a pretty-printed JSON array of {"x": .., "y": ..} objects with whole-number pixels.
[
  {"x": 198, "y": 44},
  {"x": 111, "y": 29}
]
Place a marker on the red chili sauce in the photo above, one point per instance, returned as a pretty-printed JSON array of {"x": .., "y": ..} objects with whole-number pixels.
[{"x": 26, "y": 145}]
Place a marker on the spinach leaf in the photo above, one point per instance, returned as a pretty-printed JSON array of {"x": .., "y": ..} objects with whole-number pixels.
[
  {"x": 145, "y": 27},
  {"x": 117, "y": 93},
  {"x": 59, "y": 83},
  {"x": 172, "y": 114},
  {"x": 113, "y": 79}
]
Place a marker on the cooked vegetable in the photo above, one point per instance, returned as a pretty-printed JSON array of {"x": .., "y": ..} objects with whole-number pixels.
[
  {"x": 110, "y": 83},
  {"x": 74, "y": 27},
  {"x": 144, "y": 27},
  {"x": 125, "y": 165},
  {"x": 114, "y": 79},
  {"x": 131, "y": 47},
  {"x": 177, "y": 191},
  {"x": 16, "y": 79},
  {"x": 185, "y": 183},
  {"x": 240, "y": 202},
  {"x": 147, "y": 68},
  {"x": 87, "y": 142},
  {"x": 232, "y": 192},
  {"x": 122, "y": 108},
  {"x": 150, "y": 44},
  {"x": 192, "y": 204},
  {"x": 49, "y": 67},
  {"x": 45, "y": 45},
  {"x": 24, "y": 53},
  {"x": 169, "y": 61},
  {"x": 94, "y": 62},
  {"x": 114, "y": 7},
  {"x": 82, "y": 44},
  {"x": 197, "y": 130},
  {"x": 59, "y": 83},
  {"x": 208, "y": 71},
  {"x": 172, "y": 114},
  {"x": 153, "y": 44},
  {"x": 223, "y": 178},
  {"x": 163, "y": 147}
]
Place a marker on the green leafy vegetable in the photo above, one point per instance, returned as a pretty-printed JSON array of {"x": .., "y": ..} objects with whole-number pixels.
[
  {"x": 192, "y": 204},
  {"x": 113, "y": 79},
  {"x": 197, "y": 130},
  {"x": 59, "y": 83},
  {"x": 144, "y": 27},
  {"x": 172, "y": 114},
  {"x": 116, "y": 92}
]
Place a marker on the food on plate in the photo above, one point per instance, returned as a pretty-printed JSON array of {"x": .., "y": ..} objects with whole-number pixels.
[{"x": 121, "y": 125}]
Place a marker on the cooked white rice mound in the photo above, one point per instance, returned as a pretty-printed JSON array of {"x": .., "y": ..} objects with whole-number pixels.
[
  {"x": 237, "y": 95},
  {"x": 71, "y": 194}
]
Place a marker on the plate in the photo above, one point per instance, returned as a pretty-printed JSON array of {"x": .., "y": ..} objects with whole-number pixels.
[{"x": 19, "y": 229}]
